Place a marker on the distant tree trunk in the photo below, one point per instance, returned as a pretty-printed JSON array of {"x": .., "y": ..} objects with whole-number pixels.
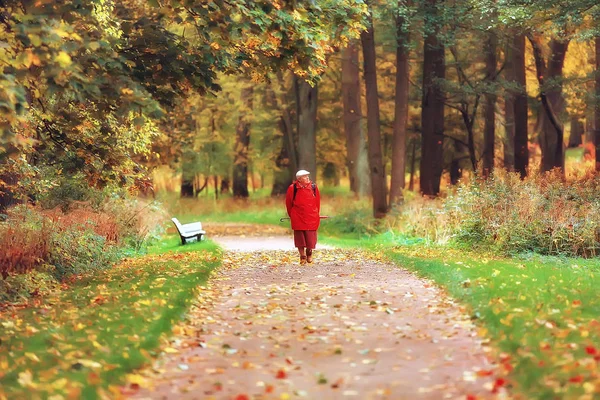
[
  {"x": 553, "y": 103},
  {"x": 330, "y": 174},
  {"x": 489, "y": 129},
  {"x": 401, "y": 114},
  {"x": 225, "y": 185},
  {"x": 521, "y": 137},
  {"x": 597, "y": 108},
  {"x": 378, "y": 183},
  {"x": 432, "y": 110},
  {"x": 242, "y": 142},
  {"x": 7, "y": 198},
  {"x": 455, "y": 168},
  {"x": 187, "y": 187},
  {"x": 286, "y": 161},
  {"x": 589, "y": 115},
  {"x": 306, "y": 104},
  {"x": 216, "y": 181},
  {"x": 413, "y": 164},
  {"x": 509, "y": 132},
  {"x": 352, "y": 112},
  {"x": 575, "y": 137}
]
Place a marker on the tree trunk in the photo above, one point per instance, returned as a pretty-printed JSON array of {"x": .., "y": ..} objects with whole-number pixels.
[
  {"x": 455, "y": 168},
  {"x": 378, "y": 183},
  {"x": 413, "y": 165},
  {"x": 521, "y": 137},
  {"x": 597, "y": 108},
  {"x": 8, "y": 180},
  {"x": 575, "y": 137},
  {"x": 553, "y": 103},
  {"x": 432, "y": 110},
  {"x": 401, "y": 114},
  {"x": 489, "y": 129},
  {"x": 242, "y": 142},
  {"x": 286, "y": 160},
  {"x": 352, "y": 113},
  {"x": 306, "y": 104}
]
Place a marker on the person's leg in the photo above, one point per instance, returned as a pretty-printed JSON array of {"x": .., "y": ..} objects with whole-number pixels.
[
  {"x": 302, "y": 255},
  {"x": 300, "y": 243},
  {"x": 311, "y": 243}
]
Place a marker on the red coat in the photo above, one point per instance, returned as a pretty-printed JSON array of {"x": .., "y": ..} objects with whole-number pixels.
[{"x": 305, "y": 209}]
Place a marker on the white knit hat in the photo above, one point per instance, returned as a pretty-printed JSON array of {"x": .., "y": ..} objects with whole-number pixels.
[{"x": 302, "y": 172}]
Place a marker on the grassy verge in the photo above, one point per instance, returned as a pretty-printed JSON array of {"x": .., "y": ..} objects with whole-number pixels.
[
  {"x": 541, "y": 313},
  {"x": 83, "y": 341}
]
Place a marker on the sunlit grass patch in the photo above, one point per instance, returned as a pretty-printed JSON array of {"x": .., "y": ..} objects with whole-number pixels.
[
  {"x": 82, "y": 342},
  {"x": 541, "y": 313}
]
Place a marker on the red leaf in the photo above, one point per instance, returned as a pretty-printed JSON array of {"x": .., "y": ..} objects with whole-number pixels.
[
  {"x": 576, "y": 379},
  {"x": 281, "y": 374},
  {"x": 591, "y": 350},
  {"x": 242, "y": 397}
]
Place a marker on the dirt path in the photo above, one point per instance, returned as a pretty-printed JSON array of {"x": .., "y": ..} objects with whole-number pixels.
[{"x": 345, "y": 327}]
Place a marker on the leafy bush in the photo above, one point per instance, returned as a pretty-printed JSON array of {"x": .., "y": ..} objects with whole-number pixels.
[
  {"x": 81, "y": 240},
  {"x": 542, "y": 213},
  {"x": 78, "y": 251}
]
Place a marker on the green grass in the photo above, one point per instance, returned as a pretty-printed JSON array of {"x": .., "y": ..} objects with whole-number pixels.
[
  {"x": 542, "y": 312},
  {"x": 85, "y": 339}
]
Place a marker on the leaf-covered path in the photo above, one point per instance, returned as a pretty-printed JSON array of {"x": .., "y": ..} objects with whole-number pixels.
[{"x": 347, "y": 326}]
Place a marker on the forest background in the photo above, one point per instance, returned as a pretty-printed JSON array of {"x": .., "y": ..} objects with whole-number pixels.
[
  {"x": 488, "y": 109},
  {"x": 461, "y": 134}
]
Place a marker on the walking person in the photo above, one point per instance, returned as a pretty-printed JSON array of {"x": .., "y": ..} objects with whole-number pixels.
[{"x": 303, "y": 203}]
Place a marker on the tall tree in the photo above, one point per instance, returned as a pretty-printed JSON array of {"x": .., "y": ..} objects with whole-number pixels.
[
  {"x": 509, "y": 107},
  {"x": 377, "y": 173},
  {"x": 242, "y": 142},
  {"x": 401, "y": 111},
  {"x": 306, "y": 107},
  {"x": 352, "y": 112},
  {"x": 550, "y": 79},
  {"x": 521, "y": 137},
  {"x": 489, "y": 130},
  {"x": 597, "y": 105},
  {"x": 432, "y": 109}
]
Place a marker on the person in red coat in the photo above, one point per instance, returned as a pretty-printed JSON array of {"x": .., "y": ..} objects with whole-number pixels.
[{"x": 303, "y": 203}]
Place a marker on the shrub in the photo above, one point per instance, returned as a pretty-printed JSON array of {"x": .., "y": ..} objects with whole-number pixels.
[{"x": 542, "y": 213}]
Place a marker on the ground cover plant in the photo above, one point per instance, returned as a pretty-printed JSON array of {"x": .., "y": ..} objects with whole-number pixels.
[
  {"x": 82, "y": 341},
  {"x": 540, "y": 313}
]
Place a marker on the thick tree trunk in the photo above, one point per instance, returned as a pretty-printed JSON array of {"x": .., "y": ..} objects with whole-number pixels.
[
  {"x": 597, "y": 108},
  {"x": 242, "y": 142},
  {"x": 352, "y": 113},
  {"x": 553, "y": 103},
  {"x": 432, "y": 110},
  {"x": 489, "y": 129},
  {"x": 306, "y": 104},
  {"x": 576, "y": 135},
  {"x": 401, "y": 114},
  {"x": 520, "y": 108},
  {"x": 377, "y": 173}
]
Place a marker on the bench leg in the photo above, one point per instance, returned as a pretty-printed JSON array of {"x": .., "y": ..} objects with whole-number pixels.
[{"x": 182, "y": 240}]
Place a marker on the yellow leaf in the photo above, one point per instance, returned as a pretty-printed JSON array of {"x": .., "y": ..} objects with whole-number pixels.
[
  {"x": 35, "y": 40},
  {"x": 63, "y": 59},
  {"x": 171, "y": 350},
  {"x": 90, "y": 363},
  {"x": 136, "y": 379},
  {"x": 32, "y": 357},
  {"x": 59, "y": 384}
]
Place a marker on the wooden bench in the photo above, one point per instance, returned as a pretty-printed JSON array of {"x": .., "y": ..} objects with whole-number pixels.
[{"x": 189, "y": 231}]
